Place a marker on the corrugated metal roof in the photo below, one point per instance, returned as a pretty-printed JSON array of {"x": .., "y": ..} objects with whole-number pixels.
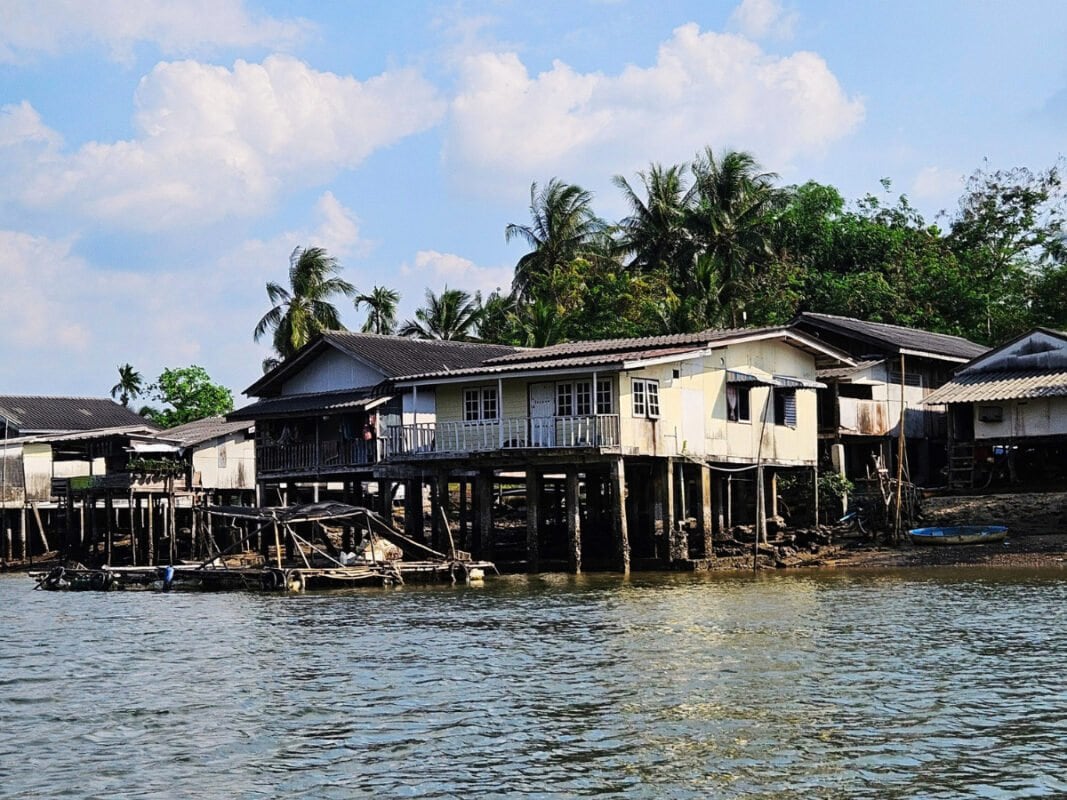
[
  {"x": 203, "y": 430},
  {"x": 894, "y": 337},
  {"x": 629, "y": 346},
  {"x": 44, "y": 413},
  {"x": 142, "y": 431},
  {"x": 312, "y": 402},
  {"x": 392, "y": 356},
  {"x": 845, "y": 372},
  {"x": 1008, "y": 385}
]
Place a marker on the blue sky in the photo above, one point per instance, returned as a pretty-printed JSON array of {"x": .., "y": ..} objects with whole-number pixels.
[{"x": 160, "y": 160}]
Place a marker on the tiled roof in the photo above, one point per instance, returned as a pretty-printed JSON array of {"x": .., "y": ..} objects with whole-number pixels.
[
  {"x": 844, "y": 372},
  {"x": 392, "y": 356},
  {"x": 38, "y": 413},
  {"x": 893, "y": 337},
  {"x": 203, "y": 430},
  {"x": 316, "y": 402},
  {"x": 1023, "y": 384},
  {"x": 628, "y": 346}
]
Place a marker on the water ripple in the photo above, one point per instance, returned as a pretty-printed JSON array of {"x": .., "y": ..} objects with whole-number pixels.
[{"x": 891, "y": 685}]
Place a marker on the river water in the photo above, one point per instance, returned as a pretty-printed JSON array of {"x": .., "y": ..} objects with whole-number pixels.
[{"x": 933, "y": 684}]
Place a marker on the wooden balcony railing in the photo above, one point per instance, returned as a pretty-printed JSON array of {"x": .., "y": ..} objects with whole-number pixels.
[
  {"x": 506, "y": 434},
  {"x": 315, "y": 456}
]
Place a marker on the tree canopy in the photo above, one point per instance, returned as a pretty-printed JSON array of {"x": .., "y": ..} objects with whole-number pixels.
[{"x": 190, "y": 395}]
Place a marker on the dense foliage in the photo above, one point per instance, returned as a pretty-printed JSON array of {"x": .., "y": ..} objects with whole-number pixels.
[
  {"x": 190, "y": 395},
  {"x": 718, "y": 243}
]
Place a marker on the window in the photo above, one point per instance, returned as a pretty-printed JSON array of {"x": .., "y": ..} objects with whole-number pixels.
[
  {"x": 737, "y": 403},
  {"x": 222, "y": 456},
  {"x": 583, "y": 398},
  {"x": 910, "y": 378},
  {"x": 785, "y": 407},
  {"x": 604, "y": 403},
  {"x": 564, "y": 400},
  {"x": 479, "y": 404},
  {"x": 646, "y": 398}
]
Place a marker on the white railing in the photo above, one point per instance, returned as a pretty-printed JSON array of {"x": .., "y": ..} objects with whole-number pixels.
[{"x": 510, "y": 433}]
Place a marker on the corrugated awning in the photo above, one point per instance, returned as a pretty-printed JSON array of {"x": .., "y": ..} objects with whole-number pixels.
[
  {"x": 758, "y": 377},
  {"x": 305, "y": 404}
]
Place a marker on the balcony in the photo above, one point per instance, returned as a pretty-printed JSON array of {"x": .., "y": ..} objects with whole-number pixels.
[
  {"x": 315, "y": 457},
  {"x": 515, "y": 433}
]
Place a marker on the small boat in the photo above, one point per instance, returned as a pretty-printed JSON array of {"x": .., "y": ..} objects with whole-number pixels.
[{"x": 959, "y": 534}]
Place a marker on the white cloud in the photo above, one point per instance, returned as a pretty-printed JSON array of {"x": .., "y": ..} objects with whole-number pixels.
[
  {"x": 190, "y": 27},
  {"x": 758, "y": 19},
  {"x": 437, "y": 270},
  {"x": 214, "y": 142},
  {"x": 508, "y": 128},
  {"x": 68, "y": 322},
  {"x": 937, "y": 184}
]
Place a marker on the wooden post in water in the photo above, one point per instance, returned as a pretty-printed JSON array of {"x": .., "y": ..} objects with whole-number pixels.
[
  {"x": 574, "y": 523},
  {"x": 706, "y": 510},
  {"x": 133, "y": 528},
  {"x": 533, "y": 520},
  {"x": 617, "y": 480},
  {"x": 109, "y": 528},
  {"x": 486, "y": 543},
  {"x": 24, "y": 539},
  {"x": 150, "y": 540}
]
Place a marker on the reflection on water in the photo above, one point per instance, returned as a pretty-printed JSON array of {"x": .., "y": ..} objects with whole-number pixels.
[{"x": 893, "y": 685}]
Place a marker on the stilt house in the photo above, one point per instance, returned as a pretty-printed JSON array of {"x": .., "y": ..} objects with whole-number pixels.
[
  {"x": 1008, "y": 413},
  {"x": 321, "y": 415},
  {"x": 861, "y": 407},
  {"x": 629, "y": 448}
]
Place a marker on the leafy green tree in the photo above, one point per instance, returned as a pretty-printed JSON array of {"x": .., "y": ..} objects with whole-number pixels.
[
  {"x": 303, "y": 310},
  {"x": 130, "y": 385},
  {"x": 454, "y": 314},
  {"x": 381, "y": 304},
  {"x": 190, "y": 395},
  {"x": 562, "y": 228}
]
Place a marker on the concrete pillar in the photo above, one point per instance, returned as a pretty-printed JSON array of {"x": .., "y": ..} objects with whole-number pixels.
[
  {"x": 533, "y": 520},
  {"x": 574, "y": 524},
  {"x": 706, "y": 510},
  {"x": 617, "y": 480}
]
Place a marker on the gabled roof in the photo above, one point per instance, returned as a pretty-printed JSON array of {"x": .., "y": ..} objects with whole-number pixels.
[
  {"x": 392, "y": 356},
  {"x": 618, "y": 354},
  {"x": 1030, "y": 366},
  {"x": 892, "y": 339},
  {"x": 143, "y": 432},
  {"x": 204, "y": 430},
  {"x": 33, "y": 413}
]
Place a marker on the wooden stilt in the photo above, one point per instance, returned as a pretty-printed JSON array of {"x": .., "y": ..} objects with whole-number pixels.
[
  {"x": 133, "y": 527},
  {"x": 150, "y": 540},
  {"x": 486, "y": 541},
  {"x": 706, "y": 510},
  {"x": 533, "y": 520},
  {"x": 761, "y": 507},
  {"x": 729, "y": 502},
  {"x": 617, "y": 480},
  {"x": 574, "y": 523},
  {"x": 815, "y": 492},
  {"x": 720, "y": 518},
  {"x": 464, "y": 512}
]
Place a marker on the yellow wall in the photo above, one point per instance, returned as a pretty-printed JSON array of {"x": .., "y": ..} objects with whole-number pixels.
[{"x": 692, "y": 406}]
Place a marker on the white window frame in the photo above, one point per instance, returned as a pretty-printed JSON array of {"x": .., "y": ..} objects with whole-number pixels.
[
  {"x": 645, "y": 397},
  {"x": 477, "y": 403},
  {"x": 605, "y": 398}
]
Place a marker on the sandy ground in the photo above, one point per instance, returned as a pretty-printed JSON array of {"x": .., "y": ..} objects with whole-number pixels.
[{"x": 1037, "y": 534}]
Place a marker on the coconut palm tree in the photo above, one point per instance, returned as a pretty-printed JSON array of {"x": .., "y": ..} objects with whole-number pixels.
[
  {"x": 129, "y": 386},
  {"x": 381, "y": 303},
  {"x": 303, "y": 309},
  {"x": 563, "y": 227},
  {"x": 453, "y": 314},
  {"x": 654, "y": 233},
  {"x": 730, "y": 214}
]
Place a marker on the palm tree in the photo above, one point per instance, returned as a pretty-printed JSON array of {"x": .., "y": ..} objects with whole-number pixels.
[
  {"x": 655, "y": 232},
  {"x": 730, "y": 218},
  {"x": 304, "y": 309},
  {"x": 562, "y": 228},
  {"x": 541, "y": 322},
  {"x": 129, "y": 386},
  {"x": 453, "y": 314},
  {"x": 382, "y": 304}
]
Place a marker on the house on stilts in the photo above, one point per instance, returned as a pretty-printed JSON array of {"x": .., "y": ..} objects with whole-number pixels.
[
  {"x": 628, "y": 451},
  {"x": 1008, "y": 414},
  {"x": 861, "y": 406}
]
